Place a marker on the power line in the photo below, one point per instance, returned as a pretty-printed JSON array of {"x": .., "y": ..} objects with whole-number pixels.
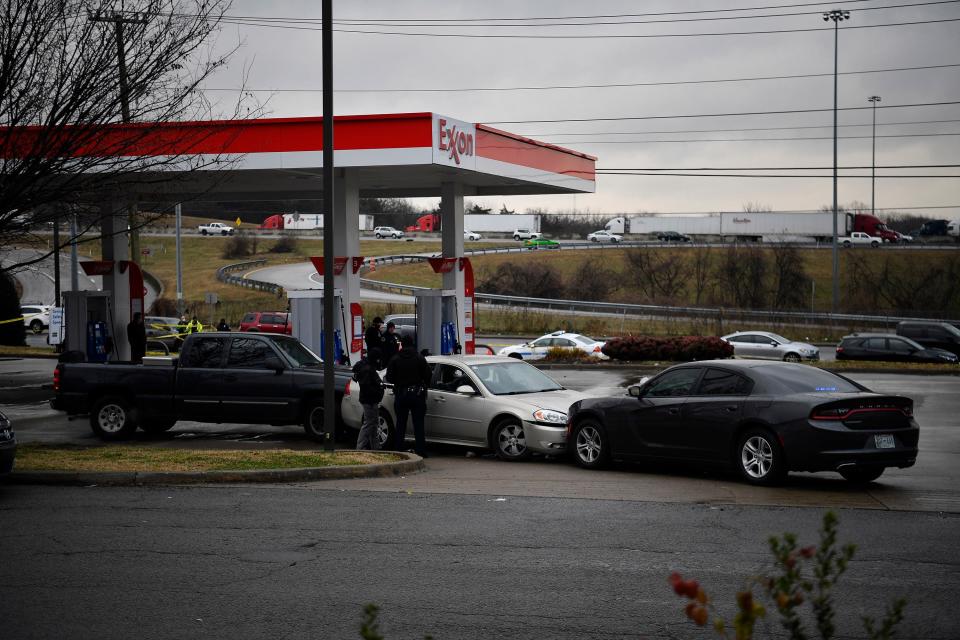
[
  {"x": 718, "y": 115},
  {"x": 515, "y": 23},
  {"x": 757, "y": 175},
  {"x": 617, "y": 85},
  {"x": 498, "y": 22},
  {"x": 787, "y": 139},
  {"x": 818, "y": 126},
  {"x": 583, "y": 37},
  {"x": 886, "y": 166}
]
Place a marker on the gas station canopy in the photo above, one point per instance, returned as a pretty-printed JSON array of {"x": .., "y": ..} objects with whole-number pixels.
[{"x": 390, "y": 155}]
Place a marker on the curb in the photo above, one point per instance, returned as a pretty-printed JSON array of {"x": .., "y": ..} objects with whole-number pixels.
[{"x": 412, "y": 464}]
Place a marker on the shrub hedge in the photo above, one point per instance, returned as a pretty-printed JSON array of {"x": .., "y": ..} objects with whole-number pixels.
[{"x": 675, "y": 349}]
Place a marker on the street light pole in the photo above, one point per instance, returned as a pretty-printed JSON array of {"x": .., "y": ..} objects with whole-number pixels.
[
  {"x": 837, "y": 16},
  {"x": 873, "y": 158}
]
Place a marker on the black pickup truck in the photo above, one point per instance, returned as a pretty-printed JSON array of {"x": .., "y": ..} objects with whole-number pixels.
[{"x": 224, "y": 377}]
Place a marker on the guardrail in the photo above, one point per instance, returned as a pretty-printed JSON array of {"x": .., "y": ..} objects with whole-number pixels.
[
  {"x": 224, "y": 275},
  {"x": 718, "y": 315}
]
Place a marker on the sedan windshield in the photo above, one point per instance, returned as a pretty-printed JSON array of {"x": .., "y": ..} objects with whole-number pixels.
[
  {"x": 801, "y": 379},
  {"x": 297, "y": 353},
  {"x": 512, "y": 378}
]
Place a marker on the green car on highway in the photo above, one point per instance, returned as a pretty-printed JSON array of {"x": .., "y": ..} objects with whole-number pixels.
[{"x": 541, "y": 243}]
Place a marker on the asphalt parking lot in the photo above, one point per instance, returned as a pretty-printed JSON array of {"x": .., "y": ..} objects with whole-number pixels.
[{"x": 933, "y": 484}]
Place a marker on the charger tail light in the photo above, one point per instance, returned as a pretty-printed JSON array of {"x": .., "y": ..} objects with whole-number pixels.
[
  {"x": 597, "y": 349},
  {"x": 902, "y": 406},
  {"x": 839, "y": 349},
  {"x": 56, "y": 379}
]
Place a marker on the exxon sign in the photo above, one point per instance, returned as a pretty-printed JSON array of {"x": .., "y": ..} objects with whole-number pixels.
[{"x": 453, "y": 142}]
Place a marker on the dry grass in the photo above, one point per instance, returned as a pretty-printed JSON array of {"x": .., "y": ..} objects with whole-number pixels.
[
  {"x": 817, "y": 264},
  {"x": 133, "y": 458}
]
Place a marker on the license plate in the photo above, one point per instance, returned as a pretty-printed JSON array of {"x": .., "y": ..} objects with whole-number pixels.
[{"x": 884, "y": 442}]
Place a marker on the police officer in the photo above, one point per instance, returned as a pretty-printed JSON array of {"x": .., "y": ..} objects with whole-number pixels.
[
  {"x": 194, "y": 326},
  {"x": 373, "y": 337},
  {"x": 410, "y": 375}
]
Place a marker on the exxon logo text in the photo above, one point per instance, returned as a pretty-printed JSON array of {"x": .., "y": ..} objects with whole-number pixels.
[{"x": 455, "y": 143}]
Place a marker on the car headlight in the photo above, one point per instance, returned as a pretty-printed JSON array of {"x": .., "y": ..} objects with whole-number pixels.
[{"x": 548, "y": 415}]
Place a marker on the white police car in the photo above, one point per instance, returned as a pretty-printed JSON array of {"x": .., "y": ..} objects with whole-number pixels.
[{"x": 536, "y": 349}]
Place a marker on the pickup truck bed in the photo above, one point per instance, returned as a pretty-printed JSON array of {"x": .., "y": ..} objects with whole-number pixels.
[{"x": 224, "y": 377}]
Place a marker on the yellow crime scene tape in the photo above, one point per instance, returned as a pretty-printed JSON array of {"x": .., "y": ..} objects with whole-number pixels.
[{"x": 20, "y": 319}]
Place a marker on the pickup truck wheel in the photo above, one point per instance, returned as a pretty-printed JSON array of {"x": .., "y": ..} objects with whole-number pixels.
[
  {"x": 846, "y": 243},
  {"x": 157, "y": 426},
  {"x": 313, "y": 422},
  {"x": 111, "y": 418},
  {"x": 874, "y": 244},
  {"x": 223, "y": 233},
  {"x": 203, "y": 232}
]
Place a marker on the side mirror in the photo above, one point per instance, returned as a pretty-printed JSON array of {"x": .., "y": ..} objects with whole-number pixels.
[
  {"x": 774, "y": 344},
  {"x": 273, "y": 363},
  {"x": 466, "y": 390},
  {"x": 634, "y": 390}
]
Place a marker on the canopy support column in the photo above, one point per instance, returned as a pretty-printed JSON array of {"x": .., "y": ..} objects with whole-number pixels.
[
  {"x": 452, "y": 224},
  {"x": 346, "y": 242},
  {"x": 114, "y": 247}
]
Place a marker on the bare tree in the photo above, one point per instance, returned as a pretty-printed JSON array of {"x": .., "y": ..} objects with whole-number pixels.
[
  {"x": 533, "y": 279},
  {"x": 62, "y": 100},
  {"x": 659, "y": 275},
  {"x": 741, "y": 273},
  {"x": 593, "y": 281},
  {"x": 790, "y": 277},
  {"x": 701, "y": 265}
]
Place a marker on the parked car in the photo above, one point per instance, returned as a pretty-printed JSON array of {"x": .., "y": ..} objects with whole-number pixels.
[
  {"x": 672, "y": 236},
  {"x": 267, "y": 322},
  {"x": 604, "y": 236},
  {"x": 219, "y": 378},
  {"x": 36, "y": 317},
  {"x": 165, "y": 329},
  {"x": 387, "y": 232},
  {"x": 406, "y": 324},
  {"x": 541, "y": 243},
  {"x": 763, "y": 419},
  {"x": 471, "y": 235},
  {"x": 889, "y": 347},
  {"x": 537, "y": 349},
  {"x": 485, "y": 402},
  {"x": 859, "y": 238},
  {"x": 929, "y": 334},
  {"x": 215, "y": 229},
  {"x": 8, "y": 445},
  {"x": 770, "y": 346},
  {"x": 526, "y": 234}
]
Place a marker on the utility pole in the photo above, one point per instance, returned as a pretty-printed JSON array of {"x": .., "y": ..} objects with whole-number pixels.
[
  {"x": 873, "y": 158},
  {"x": 837, "y": 16},
  {"x": 329, "y": 397},
  {"x": 119, "y": 21}
]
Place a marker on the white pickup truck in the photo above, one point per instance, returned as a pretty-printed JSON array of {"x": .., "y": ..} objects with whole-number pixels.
[
  {"x": 526, "y": 234},
  {"x": 859, "y": 238},
  {"x": 215, "y": 228}
]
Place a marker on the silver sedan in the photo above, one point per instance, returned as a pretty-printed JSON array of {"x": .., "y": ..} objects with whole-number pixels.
[
  {"x": 486, "y": 402},
  {"x": 770, "y": 346}
]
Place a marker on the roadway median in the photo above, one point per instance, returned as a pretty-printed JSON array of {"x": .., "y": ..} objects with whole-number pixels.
[{"x": 127, "y": 465}]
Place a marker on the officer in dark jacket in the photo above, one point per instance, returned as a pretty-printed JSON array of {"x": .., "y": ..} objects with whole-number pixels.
[
  {"x": 391, "y": 343},
  {"x": 371, "y": 393},
  {"x": 372, "y": 335},
  {"x": 410, "y": 375},
  {"x": 137, "y": 337}
]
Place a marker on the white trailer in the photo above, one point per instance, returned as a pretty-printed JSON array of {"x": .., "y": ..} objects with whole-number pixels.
[
  {"x": 302, "y": 221},
  {"x": 504, "y": 223},
  {"x": 784, "y": 226}
]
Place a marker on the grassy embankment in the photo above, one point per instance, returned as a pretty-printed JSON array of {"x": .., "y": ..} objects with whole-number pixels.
[
  {"x": 817, "y": 266},
  {"x": 34, "y": 457}
]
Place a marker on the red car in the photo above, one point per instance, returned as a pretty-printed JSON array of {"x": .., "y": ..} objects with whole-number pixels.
[{"x": 267, "y": 322}]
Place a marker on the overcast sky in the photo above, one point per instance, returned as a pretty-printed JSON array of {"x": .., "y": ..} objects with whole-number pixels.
[{"x": 286, "y": 58}]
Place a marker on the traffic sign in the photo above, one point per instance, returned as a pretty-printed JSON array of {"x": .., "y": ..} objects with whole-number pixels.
[{"x": 238, "y": 221}]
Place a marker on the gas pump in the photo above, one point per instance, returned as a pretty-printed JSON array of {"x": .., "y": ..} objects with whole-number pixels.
[
  {"x": 306, "y": 319},
  {"x": 437, "y": 329},
  {"x": 88, "y": 320}
]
